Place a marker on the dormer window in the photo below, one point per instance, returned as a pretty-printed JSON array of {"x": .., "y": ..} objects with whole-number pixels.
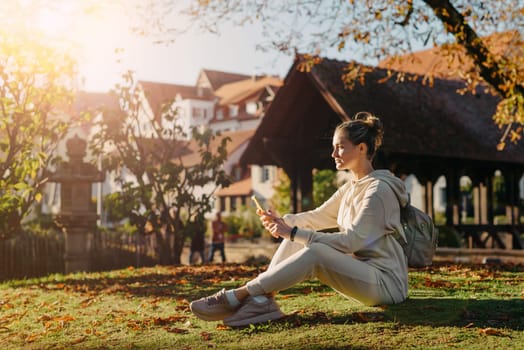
[
  {"x": 198, "y": 112},
  {"x": 264, "y": 174},
  {"x": 253, "y": 107},
  {"x": 233, "y": 110}
]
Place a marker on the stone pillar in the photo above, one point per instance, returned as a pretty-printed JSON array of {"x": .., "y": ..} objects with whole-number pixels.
[{"x": 77, "y": 216}]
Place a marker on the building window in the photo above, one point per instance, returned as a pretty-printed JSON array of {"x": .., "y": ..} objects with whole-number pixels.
[
  {"x": 237, "y": 172},
  {"x": 253, "y": 107},
  {"x": 198, "y": 112},
  {"x": 220, "y": 114},
  {"x": 233, "y": 201},
  {"x": 264, "y": 174},
  {"x": 233, "y": 110},
  {"x": 222, "y": 205}
]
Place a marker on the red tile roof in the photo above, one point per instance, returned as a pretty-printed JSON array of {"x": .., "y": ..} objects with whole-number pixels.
[
  {"x": 238, "y": 138},
  {"x": 158, "y": 94},
  {"x": 246, "y": 89},
  {"x": 218, "y": 78},
  {"x": 437, "y": 61},
  {"x": 94, "y": 100},
  {"x": 239, "y": 188}
]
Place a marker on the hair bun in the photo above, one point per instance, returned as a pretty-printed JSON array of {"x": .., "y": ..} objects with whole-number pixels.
[
  {"x": 363, "y": 127},
  {"x": 374, "y": 124}
]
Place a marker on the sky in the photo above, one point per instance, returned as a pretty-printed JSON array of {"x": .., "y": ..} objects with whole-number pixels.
[
  {"x": 234, "y": 50},
  {"x": 105, "y": 47}
]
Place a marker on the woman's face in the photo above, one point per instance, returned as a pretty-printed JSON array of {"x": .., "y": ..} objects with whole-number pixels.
[{"x": 345, "y": 153}]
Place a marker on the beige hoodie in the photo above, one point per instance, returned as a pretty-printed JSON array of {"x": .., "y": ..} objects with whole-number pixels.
[{"x": 366, "y": 212}]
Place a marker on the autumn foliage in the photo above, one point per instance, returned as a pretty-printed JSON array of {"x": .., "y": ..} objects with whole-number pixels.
[{"x": 449, "y": 304}]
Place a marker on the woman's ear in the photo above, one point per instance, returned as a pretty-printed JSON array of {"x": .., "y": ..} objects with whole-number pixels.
[{"x": 363, "y": 148}]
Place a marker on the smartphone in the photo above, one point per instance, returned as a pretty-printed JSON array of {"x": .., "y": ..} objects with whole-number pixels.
[{"x": 257, "y": 203}]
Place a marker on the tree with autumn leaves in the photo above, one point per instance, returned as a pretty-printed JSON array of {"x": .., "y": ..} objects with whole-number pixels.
[
  {"x": 166, "y": 178},
  {"x": 37, "y": 113},
  {"x": 36, "y": 95},
  {"x": 372, "y": 31}
]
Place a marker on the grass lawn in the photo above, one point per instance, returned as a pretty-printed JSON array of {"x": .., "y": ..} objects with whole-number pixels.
[{"x": 450, "y": 307}]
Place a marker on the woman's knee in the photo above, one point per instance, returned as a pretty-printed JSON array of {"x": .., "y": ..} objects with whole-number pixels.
[
  {"x": 319, "y": 249},
  {"x": 317, "y": 253}
]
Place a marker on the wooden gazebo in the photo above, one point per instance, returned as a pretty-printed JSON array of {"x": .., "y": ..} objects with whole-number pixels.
[{"x": 430, "y": 131}]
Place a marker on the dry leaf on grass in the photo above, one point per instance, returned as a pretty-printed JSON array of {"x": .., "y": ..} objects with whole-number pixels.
[
  {"x": 370, "y": 316},
  {"x": 177, "y": 330},
  {"x": 205, "y": 336},
  {"x": 437, "y": 283},
  {"x": 78, "y": 340},
  {"x": 161, "y": 321},
  {"x": 490, "y": 331},
  {"x": 287, "y": 296},
  {"x": 222, "y": 327},
  {"x": 31, "y": 338}
]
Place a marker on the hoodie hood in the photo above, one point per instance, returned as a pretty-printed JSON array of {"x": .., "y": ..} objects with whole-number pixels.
[{"x": 396, "y": 184}]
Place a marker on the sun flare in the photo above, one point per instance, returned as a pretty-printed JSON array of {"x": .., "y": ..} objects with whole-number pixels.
[{"x": 52, "y": 22}]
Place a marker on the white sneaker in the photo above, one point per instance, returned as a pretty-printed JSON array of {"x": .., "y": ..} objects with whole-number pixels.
[{"x": 252, "y": 312}]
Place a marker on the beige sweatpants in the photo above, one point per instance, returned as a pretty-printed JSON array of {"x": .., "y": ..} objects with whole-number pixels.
[{"x": 355, "y": 279}]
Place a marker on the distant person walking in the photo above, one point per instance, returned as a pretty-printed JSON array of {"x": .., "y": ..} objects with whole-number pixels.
[
  {"x": 219, "y": 238},
  {"x": 198, "y": 243}
]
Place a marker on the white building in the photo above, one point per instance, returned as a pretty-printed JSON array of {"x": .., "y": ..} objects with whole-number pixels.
[
  {"x": 233, "y": 104},
  {"x": 227, "y": 102}
]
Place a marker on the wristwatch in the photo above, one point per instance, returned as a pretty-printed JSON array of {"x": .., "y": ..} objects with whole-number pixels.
[{"x": 293, "y": 233}]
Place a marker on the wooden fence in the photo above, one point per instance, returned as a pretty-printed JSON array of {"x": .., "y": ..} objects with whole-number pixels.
[{"x": 34, "y": 254}]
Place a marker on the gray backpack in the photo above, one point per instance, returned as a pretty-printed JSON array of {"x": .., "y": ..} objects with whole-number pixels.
[{"x": 421, "y": 235}]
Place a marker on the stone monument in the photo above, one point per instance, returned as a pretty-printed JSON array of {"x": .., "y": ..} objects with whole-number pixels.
[{"x": 77, "y": 216}]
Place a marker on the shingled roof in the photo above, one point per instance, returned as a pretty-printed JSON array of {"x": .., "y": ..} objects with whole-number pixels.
[
  {"x": 158, "y": 94},
  {"x": 418, "y": 119},
  {"x": 237, "y": 140},
  {"x": 218, "y": 78},
  {"x": 436, "y": 61},
  {"x": 245, "y": 89},
  {"x": 94, "y": 100},
  {"x": 239, "y": 188}
]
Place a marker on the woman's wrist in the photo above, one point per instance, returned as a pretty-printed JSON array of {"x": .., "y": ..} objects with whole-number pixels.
[{"x": 292, "y": 233}]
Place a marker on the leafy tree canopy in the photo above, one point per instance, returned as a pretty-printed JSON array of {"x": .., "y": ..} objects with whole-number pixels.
[
  {"x": 35, "y": 105},
  {"x": 359, "y": 31},
  {"x": 371, "y": 31},
  {"x": 159, "y": 168}
]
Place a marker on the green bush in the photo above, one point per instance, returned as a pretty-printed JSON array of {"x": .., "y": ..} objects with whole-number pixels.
[
  {"x": 448, "y": 237},
  {"x": 244, "y": 222}
]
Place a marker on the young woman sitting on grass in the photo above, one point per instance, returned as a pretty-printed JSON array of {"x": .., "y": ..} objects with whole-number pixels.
[{"x": 363, "y": 261}]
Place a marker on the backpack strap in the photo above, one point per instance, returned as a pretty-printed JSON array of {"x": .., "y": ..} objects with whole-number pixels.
[
  {"x": 398, "y": 237},
  {"x": 401, "y": 240}
]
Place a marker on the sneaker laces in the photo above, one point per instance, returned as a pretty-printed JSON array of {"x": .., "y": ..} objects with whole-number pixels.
[{"x": 216, "y": 299}]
